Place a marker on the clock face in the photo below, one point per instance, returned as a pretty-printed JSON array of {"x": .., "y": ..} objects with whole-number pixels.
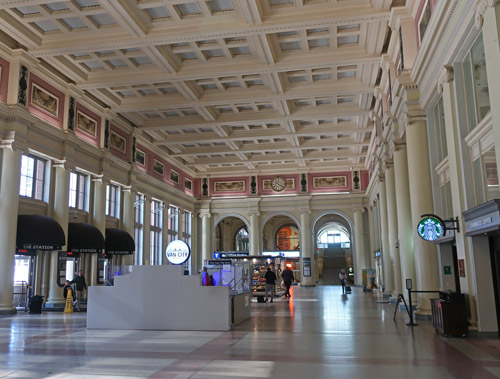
[{"x": 278, "y": 183}]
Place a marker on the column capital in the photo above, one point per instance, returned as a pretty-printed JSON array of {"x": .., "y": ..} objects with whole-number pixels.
[
  {"x": 305, "y": 211},
  {"x": 253, "y": 213},
  {"x": 97, "y": 178},
  {"x": 60, "y": 163},
  {"x": 203, "y": 214},
  {"x": 445, "y": 76},
  {"x": 481, "y": 9}
]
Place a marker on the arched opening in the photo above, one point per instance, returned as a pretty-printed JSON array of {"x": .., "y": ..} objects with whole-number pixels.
[
  {"x": 334, "y": 248},
  {"x": 241, "y": 240},
  {"x": 231, "y": 234}
]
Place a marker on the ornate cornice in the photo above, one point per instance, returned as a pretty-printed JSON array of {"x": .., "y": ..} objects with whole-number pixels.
[{"x": 481, "y": 9}]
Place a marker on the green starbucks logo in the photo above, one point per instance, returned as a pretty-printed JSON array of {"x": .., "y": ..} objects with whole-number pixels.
[{"x": 430, "y": 229}]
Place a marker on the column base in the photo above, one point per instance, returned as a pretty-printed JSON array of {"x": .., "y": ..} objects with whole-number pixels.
[
  {"x": 307, "y": 285},
  {"x": 55, "y": 304},
  {"x": 8, "y": 311}
]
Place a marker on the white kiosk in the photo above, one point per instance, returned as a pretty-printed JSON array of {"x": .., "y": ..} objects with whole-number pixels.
[{"x": 160, "y": 298}]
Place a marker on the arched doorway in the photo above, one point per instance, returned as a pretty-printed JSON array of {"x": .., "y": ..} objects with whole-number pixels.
[
  {"x": 231, "y": 233},
  {"x": 333, "y": 240}
]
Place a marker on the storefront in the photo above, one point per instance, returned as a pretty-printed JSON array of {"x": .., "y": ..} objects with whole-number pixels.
[
  {"x": 482, "y": 224},
  {"x": 83, "y": 240},
  {"x": 118, "y": 244},
  {"x": 36, "y": 236}
]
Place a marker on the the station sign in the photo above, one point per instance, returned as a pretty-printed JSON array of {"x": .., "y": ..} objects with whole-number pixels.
[{"x": 177, "y": 252}]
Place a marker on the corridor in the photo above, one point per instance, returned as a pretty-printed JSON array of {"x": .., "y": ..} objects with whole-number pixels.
[{"x": 317, "y": 334}]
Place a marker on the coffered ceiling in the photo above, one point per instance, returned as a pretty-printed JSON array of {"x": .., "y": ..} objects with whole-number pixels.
[{"x": 222, "y": 86}]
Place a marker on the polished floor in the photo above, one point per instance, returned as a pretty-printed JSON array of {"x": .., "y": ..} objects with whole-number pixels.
[{"x": 318, "y": 333}]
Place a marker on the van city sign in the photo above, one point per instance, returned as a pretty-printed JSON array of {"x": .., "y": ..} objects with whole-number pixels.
[
  {"x": 177, "y": 252},
  {"x": 431, "y": 227}
]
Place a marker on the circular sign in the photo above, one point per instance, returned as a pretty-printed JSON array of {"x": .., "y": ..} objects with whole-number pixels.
[
  {"x": 177, "y": 252},
  {"x": 430, "y": 228}
]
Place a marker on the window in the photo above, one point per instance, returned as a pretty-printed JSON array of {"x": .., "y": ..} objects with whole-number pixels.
[
  {"x": 32, "y": 177},
  {"x": 242, "y": 239},
  {"x": 476, "y": 84},
  {"x": 486, "y": 177},
  {"x": 113, "y": 200},
  {"x": 173, "y": 223},
  {"x": 155, "y": 232},
  {"x": 438, "y": 134},
  {"x": 138, "y": 228},
  {"x": 78, "y": 190}
]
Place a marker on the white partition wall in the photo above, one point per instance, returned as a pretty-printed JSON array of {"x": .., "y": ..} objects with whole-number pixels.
[{"x": 159, "y": 298}]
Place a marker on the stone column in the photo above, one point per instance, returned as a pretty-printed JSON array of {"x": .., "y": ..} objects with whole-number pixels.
[
  {"x": 491, "y": 37},
  {"x": 392, "y": 230},
  {"x": 146, "y": 228},
  {"x": 306, "y": 247},
  {"x": 205, "y": 236},
  {"x": 99, "y": 221},
  {"x": 426, "y": 260},
  {"x": 128, "y": 219},
  {"x": 457, "y": 170},
  {"x": 254, "y": 233},
  {"x": 164, "y": 234},
  {"x": 371, "y": 228},
  {"x": 405, "y": 233},
  {"x": 388, "y": 274},
  {"x": 195, "y": 245},
  {"x": 60, "y": 213},
  {"x": 10, "y": 169},
  {"x": 359, "y": 241}
]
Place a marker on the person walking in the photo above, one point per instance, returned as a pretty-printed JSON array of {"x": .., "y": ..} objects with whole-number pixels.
[
  {"x": 80, "y": 285},
  {"x": 270, "y": 283},
  {"x": 343, "y": 279},
  {"x": 288, "y": 278}
]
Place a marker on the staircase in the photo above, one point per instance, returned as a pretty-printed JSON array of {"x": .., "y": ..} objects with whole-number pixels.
[{"x": 333, "y": 262}]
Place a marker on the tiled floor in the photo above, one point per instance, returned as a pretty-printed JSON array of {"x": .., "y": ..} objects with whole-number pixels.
[{"x": 317, "y": 334}]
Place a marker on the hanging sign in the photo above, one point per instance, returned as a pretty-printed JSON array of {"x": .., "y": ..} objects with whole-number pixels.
[
  {"x": 431, "y": 228},
  {"x": 177, "y": 252}
]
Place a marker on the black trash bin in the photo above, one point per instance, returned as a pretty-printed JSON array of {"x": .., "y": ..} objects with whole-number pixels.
[{"x": 36, "y": 302}]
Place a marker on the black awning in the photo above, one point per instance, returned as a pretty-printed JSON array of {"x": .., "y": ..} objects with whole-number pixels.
[
  {"x": 119, "y": 242},
  {"x": 84, "y": 238},
  {"x": 36, "y": 232}
]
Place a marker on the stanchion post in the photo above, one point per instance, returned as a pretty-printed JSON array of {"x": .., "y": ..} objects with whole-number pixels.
[{"x": 409, "y": 286}]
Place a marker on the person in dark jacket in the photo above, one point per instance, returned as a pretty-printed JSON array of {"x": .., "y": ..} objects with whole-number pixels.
[
  {"x": 80, "y": 285},
  {"x": 288, "y": 278},
  {"x": 270, "y": 283},
  {"x": 67, "y": 287}
]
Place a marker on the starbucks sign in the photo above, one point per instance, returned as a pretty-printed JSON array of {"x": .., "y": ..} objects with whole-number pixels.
[
  {"x": 177, "y": 252},
  {"x": 431, "y": 228}
]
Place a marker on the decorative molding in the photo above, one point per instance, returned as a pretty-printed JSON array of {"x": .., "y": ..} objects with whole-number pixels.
[
  {"x": 447, "y": 74},
  {"x": 303, "y": 183},
  {"x": 106, "y": 134},
  {"x": 23, "y": 85},
  {"x": 71, "y": 114},
  {"x": 481, "y": 9},
  {"x": 253, "y": 185}
]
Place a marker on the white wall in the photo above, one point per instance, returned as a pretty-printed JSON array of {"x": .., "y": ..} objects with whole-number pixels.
[{"x": 160, "y": 298}]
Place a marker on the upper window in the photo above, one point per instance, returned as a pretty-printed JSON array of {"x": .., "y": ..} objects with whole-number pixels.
[
  {"x": 173, "y": 223},
  {"x": 439, "y": 131},
  {"x": 476, "y": 84},
  {"x": 78, "y": 190},
  {"x": 32, "y": 177},
  {"x": 113, "y": 200}
]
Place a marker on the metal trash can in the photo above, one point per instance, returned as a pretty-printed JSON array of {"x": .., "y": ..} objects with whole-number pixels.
[
  {"x": 36, "y": 303},
  {"x": 449, "y": 314}
]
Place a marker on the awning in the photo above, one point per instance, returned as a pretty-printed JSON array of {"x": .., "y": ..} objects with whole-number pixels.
[
  {"x": 84, "y": 238},
  {"x": 119, "y": 242},
  {"x": 36, "y": 232}
]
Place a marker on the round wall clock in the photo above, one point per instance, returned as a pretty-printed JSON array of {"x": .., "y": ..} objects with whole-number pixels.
[{"x": 278, "y": 183}]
